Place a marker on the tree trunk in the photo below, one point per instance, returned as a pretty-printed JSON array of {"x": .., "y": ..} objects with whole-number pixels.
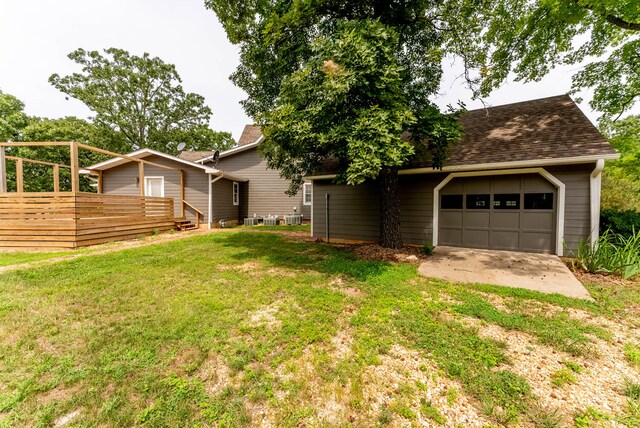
[{"x": 390, "y": 235}]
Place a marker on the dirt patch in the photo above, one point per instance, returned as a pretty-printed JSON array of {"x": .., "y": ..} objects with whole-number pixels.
[
  {"x": 215, "y": 375},
  {"x": 385, "y": 385},
  {"x": 266, "y": 316},
  {"x": 406, "y": 254},
  {"x": 66, "y": 419},
  {"x": 598, "y": 384},
  {"x": 246, "y": 267},
  {"x": 337, "y": 284}
]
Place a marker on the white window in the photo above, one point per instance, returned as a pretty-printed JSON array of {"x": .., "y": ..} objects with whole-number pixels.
[
  {"x": 236, "y": 193},
  {"x": 307, "y": 195},
  {"x": 154, "y": 186}
]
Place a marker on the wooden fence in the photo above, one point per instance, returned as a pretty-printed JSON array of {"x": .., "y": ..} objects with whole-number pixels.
[{"x": 72, "y": 220}]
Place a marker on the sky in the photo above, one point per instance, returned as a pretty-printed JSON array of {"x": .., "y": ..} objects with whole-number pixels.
[{"x": 38, "y": 35}]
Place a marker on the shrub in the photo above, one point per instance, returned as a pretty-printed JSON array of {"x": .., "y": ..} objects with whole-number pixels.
[
  {"x": 620, "y": 222},
  {"x": 613, "y": 253},
  {"x": 428, "y": 249}
]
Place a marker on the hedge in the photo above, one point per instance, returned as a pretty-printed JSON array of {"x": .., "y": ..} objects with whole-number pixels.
[{"x": 622, "y": 222}]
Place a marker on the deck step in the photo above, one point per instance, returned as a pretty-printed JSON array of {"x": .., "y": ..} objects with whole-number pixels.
[{"x": 184, "y": 225}]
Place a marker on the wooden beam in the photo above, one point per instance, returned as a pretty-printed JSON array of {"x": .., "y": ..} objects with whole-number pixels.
[
  {"x": 3, "y": 171},
  {"x": 100, "y": 181},
  {"x": 75, "y": 170},
  {"x": 182, "y": 194},
  {"x": 56, "y": 178},
  {"x": 34, "y": 144},
  {"x": 19, "y": 176},
  {"x": 38, "y": 162},
  {"x": 118, "y": 155},
  {"x": 141, "y": 175}
]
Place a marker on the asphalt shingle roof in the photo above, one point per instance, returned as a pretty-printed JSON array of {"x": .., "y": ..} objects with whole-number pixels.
[{"x": 194, "y": 156}]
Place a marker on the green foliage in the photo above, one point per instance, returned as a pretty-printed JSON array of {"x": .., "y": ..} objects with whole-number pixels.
[
  {"x": 621, "y": 178},
  {"x": 12, "y": 117},
  {"x": 530, "y": 37},
  {"x": 620, "y": 192},
  {"x": 142, "y": 99},
  {"x": 620, "y": 222},
  {"x": 427, "y": 249},
  {"x": 574, "y": 367},
  {"x": 588, "y": 417},
  {"x": 613, "y": 254},
  {"x": 563, "y": 377},
  {"x": 429, "y": 411},
  {"x": 632, "y": 352},
  {"x": 632, "y": 390},
  {"x": 339, "y": 79}
]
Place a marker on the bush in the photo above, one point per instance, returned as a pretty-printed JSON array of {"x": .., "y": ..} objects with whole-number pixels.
[
  {"x": 622, "y": 222},
  {"x": 613, "y": 253},
  {"x": 428, "y": 249}
]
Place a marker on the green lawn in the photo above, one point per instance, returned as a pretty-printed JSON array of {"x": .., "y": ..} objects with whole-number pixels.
[
  {"x": 17, "y": 257},
  {"x": 236, "y": 328}
]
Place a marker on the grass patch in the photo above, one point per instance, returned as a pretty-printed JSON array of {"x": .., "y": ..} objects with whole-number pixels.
[
  {"x": 632, "y": 353},
  {"x": 429, "y": 411},
  {"x": 563, "y": 377},
  {"x": 166, "y": 335},
  {"x": 9, "y": 258}
]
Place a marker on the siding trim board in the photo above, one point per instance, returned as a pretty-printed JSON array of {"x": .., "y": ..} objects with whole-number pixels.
[{"x": 560, "y": 186}]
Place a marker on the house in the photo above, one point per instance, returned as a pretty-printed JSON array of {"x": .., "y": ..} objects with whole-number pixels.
[
  {"x": 264, "y": 191},
  {"x": 524, "y": 177},
  {"x": 237, "y": 186},
  {"x": 201, "y": 194}
]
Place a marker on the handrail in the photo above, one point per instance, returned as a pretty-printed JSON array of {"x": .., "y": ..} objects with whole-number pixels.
[{"x": 198, "y": 212}]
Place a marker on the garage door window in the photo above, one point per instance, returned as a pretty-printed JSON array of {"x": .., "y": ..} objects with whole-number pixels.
[
  {"x": 506, "y": 201},
  {"x": 478, "y": 202},
  {"x": 451, "y": 202},
  {"x": 538, "y": 201}
]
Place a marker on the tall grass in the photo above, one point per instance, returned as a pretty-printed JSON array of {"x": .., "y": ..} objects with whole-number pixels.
[{"x": 613, "y": 253}]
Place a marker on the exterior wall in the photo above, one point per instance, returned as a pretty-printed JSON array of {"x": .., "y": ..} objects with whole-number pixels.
[
  {"x": 354, "y": 210},
  {"x": 223, "y": 207},
  {"x": 121, "y": 180},
  {"x": 264, "y": 193},
  {"x": 577, "y": 212}
]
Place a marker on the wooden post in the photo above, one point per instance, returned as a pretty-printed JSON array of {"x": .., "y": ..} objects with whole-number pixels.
[
  {"x": 75, "y": 170},
  {"x": 99, "y": 181},
  {"x": 19, "y": 176},
  {"x": 56, "y": 179},
  {"x": 182, "y": 194},
  {"x": 141, "y": 177},
  {"x": 3, "y": 171}
]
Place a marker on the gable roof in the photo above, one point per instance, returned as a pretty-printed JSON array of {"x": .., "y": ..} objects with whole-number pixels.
[
  {"x": 142, "y": 153},
  {"x": 250, "y": 134},
  {"x": 250, "y": 138},
  {"x": 193, "y": 156},
  {"x": 542, "y": 129}
]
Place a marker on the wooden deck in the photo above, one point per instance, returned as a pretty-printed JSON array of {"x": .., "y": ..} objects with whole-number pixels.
[{"x": 67, "y": 220}]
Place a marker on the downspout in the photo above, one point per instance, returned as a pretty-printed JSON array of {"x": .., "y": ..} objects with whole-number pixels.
[
  {"x": 595, "y": 193},
  {"x": 210, "y": 216},
  {"x": 326, "y": 216}
]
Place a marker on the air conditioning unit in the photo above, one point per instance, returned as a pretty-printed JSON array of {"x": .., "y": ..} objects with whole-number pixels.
[
  {"x": 271, "y": 221},
  {"x": 252, "y": 221},
  {"x": 293, "y": 219}
]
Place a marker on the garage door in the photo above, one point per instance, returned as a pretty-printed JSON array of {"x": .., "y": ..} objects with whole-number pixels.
[{"x": 513, "y": 212}]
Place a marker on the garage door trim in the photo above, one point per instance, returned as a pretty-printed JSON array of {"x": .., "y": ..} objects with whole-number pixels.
[{"x": 559, "y": 185}]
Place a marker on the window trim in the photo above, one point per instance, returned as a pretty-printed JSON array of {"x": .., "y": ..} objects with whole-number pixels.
[
  {"x": 304, "y": 193},
  {"x": 235, "y": 193},
  {"x": 460, "y": 195},
  {"x": 516, "y": 196},
  {"x": 486, "y": 196},
  {"x": 524, "y": 201},
  {"x": 146, "y": 185}
]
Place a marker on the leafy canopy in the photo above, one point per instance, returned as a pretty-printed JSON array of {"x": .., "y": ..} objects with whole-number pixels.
[
  {"x": 12, "y": 117},
  {"x": 143, "y": 99},
  {"x": 531, "y": 37},
  {"x": 341, "y": 80}
]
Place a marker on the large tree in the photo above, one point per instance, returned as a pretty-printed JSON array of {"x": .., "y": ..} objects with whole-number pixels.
[
  {"x": 142, "y": 98},
  {"x": 12, "y": 117},
  {"x": 342, "y": 81},
  {"x": 528, "y": 38}
]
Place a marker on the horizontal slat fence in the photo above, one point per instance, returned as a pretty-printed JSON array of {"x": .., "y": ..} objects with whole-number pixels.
[{"x": 68, "y": 220}]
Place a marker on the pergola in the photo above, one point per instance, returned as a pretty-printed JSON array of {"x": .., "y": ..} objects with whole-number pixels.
[{"x": 70, "y": 219}]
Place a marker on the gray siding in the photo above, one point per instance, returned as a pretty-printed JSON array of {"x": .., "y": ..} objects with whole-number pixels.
[
  {"x": 354, "y": 210},
  {"x": 121, "y": 180},
  {"x": 577, "y": 213},
  {"x": 265, "y": 192},
  {"x": 223, "y": 207}
]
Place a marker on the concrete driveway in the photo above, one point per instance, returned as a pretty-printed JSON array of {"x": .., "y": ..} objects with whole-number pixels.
[{"x": 539, "y": 272}]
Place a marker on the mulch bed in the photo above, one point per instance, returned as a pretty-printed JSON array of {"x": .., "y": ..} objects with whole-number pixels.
[{"x": 406, "y": 254}]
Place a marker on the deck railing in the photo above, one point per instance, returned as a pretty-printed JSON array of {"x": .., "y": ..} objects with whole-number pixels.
[{"x": 71, "y": 220}]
